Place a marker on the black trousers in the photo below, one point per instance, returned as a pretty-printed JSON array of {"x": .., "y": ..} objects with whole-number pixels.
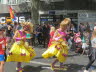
[
  {"x": 5, "y": 55},
  {"x": 46, "y": 40},
  {"x": 91, "y": 61},
  {"x": 39, "y": 39}
]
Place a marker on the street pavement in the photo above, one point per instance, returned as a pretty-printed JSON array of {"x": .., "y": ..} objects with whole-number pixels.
[{"x": 75, "y": 63}]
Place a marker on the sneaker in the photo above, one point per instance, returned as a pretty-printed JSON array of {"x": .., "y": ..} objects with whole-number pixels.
[{"x": 86, "y": 71}]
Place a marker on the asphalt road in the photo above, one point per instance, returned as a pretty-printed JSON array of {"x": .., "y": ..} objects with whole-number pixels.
[{"x": 75, "y": 63}]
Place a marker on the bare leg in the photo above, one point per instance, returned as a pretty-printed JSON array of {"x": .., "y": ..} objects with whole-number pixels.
[
  {"x": 19, "y": 68},
  {"x": 61, "y": 65},
  {"x": 83, "y": 51},
  {"x": 52, "y": 65},
  {"x": 2, "y": 66},
  {"x": 55, "y": 61}
]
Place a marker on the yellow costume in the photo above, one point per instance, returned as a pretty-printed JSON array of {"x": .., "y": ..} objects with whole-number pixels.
[
  {"x": 20, "y": 51},
  {"x": 59, "y": 49}
]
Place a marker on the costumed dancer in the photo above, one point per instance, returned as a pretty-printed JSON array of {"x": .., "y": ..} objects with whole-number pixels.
[
  {"x": 2, "y": 50},
  {"x": 59, "y": 47},
  {"x": 92, "y": 49},
  {"x": 21, "y": 51},
  {"x": 52, "y": 31}
]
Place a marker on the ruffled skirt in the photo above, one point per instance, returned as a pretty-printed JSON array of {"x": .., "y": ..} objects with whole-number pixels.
[
  {"x": 60, "y": 50},
  {"x": 20, "y": 52}
]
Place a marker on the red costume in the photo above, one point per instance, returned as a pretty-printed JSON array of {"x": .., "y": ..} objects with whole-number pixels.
[{"x": 1, "y": 45}]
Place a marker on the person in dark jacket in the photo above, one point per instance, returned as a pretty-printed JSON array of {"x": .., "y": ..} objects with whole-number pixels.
[
  {"x": 39, "y": 34},
  {"x": 46, "y": 36}
]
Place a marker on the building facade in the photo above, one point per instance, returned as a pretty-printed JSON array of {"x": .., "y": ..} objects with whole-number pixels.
[
  {"x": 13, "y": 2},
  {"x": 21, "y": 15},
  {"x": 62, "y": 8}
]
